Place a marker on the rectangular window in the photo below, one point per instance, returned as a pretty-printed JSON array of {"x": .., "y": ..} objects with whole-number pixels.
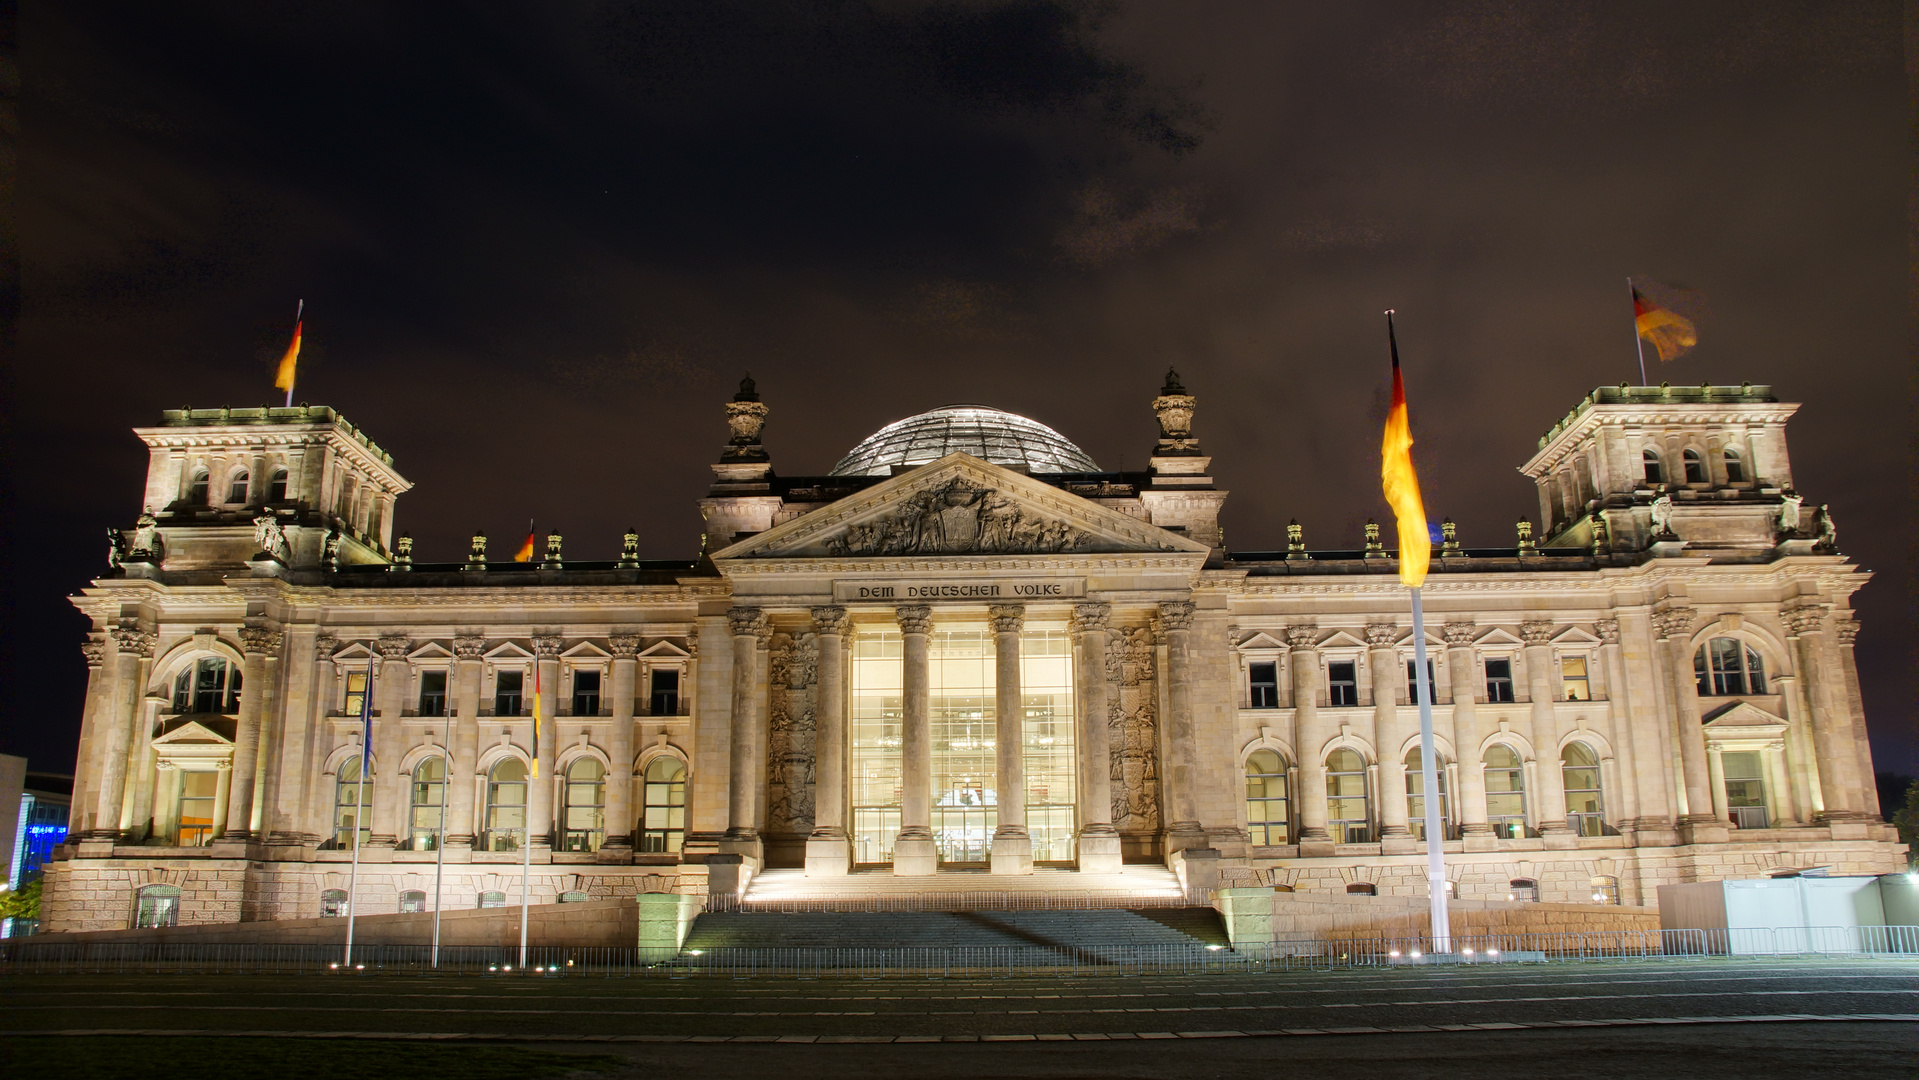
[
  {"x": 874, "y": 705},
  {"x": 506, "y": 693},
  {"x": 586, "y": 693},
  {"x": 355, "y": 692},
  {"x": 1265, "y": 679},
  {"x": 1412, "y": 682},
  {"x": 1499, "y": 680},
  {"x": 1342, "y": 683},
  {"x": 664, "y": 693},
  {"x": 1573, "y": 683},
  {"x": 432, "y": 693},
  {"x": 195, "y": 813},
  {"x": 1745, "y": 790}
]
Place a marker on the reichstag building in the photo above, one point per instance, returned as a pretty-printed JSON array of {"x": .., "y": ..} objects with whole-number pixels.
[{"x": 965, "y": 648}]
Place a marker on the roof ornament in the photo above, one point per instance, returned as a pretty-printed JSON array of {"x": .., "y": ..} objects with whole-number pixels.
[
  {"x": 747, "y": 390},
  {"x": 1172, "y": 383}
]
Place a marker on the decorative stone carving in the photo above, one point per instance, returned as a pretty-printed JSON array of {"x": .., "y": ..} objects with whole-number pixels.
[
  {"x": 914, "y": 618},
  {"x": 630, "y": 549},
  {"x": 1602, "y": 542},
  {"x": 1006, "y": 618},
  {"x": 1536, "y": 633},
  {"x": 747, "y": 622},
  {"x": 269, "y": 538},
  {"x": 403, "y": 553},
  {"x": 469, "y": 648},
  {"x": 1448, "y": 538},
  {"x": 1608, "y": 630},
  {"x": 1524, "y": 528},
  {"x": 330, "y": 550},
  {"x": 1176, "y": 614},
  {"x": 1458, "y": 634},
  {"x": 1805, "y": 619},
  {"x": 1673, "y": 622},
  {"x": 959, "y": 517},
  {"x": 553, "y": 560},
  {"x": 148, "y": 546},
  {"x": 1845, "y": 628},
  {"x": 745, "y": 415},
  {"x": 1174, "y": 408},
  {"x": 623, "y": 646},
  {"x": 476, "y": 554},
  {"x": 792, "y": 677},
  {"x": 547, "y": 646},
  {"x": 324, "y": 646},
  {"x": 130, "y": 640},
  {"x": 393, "y": 646},
  {"x": 1091, "y": 617},
  {"x": 116, "y": 548},
  {"x": 1375, "y": 549},
  {"x": 1662, "y": 516},
  {"x": 830, "y": 620},
  {"x": 1824, "y": 529},
  {"x": 95, "y": 652},
  {"x": 1302, "y": 635},
  {"x": 1382, "y": 635},
  {"x": 1133, "y": 729},
  {"x": 260, "y": 639},
  {"x": 1789, "y": 504}
]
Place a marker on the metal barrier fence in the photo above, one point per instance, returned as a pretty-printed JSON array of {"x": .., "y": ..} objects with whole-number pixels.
[
  {"x": 954, "y": 901},
  {"x": 24, "y": 957}
]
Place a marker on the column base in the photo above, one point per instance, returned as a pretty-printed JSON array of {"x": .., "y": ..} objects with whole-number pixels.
[
  {"x": 1704, "y": 829},
  {"x": 747, "y": 846},
  {"x": 1401, "y": 845},
  {"x": 1182, "y": 835},
  {"x": 1315, "y": 843},
  {"x": 1099, "y": 851},
  {"x": 1012, "y": 853},
  {"x": 915, "y": 857},
  {"x": 615, "y": 853},
  {"x": 1478, "y": 837},
  {"x": 828, "y": 856}
]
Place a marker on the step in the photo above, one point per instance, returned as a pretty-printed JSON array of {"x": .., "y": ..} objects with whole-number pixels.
[{"x": 1043, "y": 933}]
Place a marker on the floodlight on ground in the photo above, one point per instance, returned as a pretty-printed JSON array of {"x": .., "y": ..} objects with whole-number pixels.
[
  {"x": 1394, "y": 953},
  {"x": 1492, "y": 952},
  {"x": 1415, "y": 954},
  {"x": 1214, "y": 948},
  {"x": 696, "y": 952},
  {"x": 1465, "y": 952}
]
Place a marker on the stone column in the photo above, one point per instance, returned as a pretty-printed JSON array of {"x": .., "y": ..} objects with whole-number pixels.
[
  {"x": 166, "y": 804},
  {"x": 622, "y": 683},
  {"x": 1383, "y": 657},
  {"x": 1716, "y": 776},
  {"x": 1186, "y": 830},
  {"x": 86, "y": 773},
  {"x": 1619, "y": 711},
  {"x": 1831, "y": 730},
  {"x": 745, "y": 760},
  {"x": 1797, "y": 745},
  {"x": 133, "y": 650},
  {"x": 266, "y": 783},
  {"x": 1469, "y": 796},
  {"x": 462, "y": 773},
  {"x": 1785, "y": 815},
  {"x": 222, "y": 795},
  {"x": 913, "y": 850},
  {"x": 391, "y": 786},
  {"x": 828, "y": 852},
  {"x": 542, "y": 793},
  {"x": 1099, "y": 847},
  {"x": 136, "y": 822},
  {"x": 1550, "y": 792},
  {"x": 1845, "y": 630},
  {"x": 1674, "y": 627},
  {"x": 1309, "y": 736},
  {"x": 1012, "y": 844}
]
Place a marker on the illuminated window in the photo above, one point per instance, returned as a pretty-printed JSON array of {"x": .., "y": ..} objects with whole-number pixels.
[
  {"x": 352, "y": 805},
  {"x": 1342, "y": 683},
  {"x": 583, "y": 826},
  {"x": 1348, "y": 808},
  {"x": 663, "y": 806},
  {"x": 1265, "y": 685},
  {"x": 208, "y": 685},
  {"x": 1505, "y": 792},
  {"x": 333, "y": 903},
  {"x": 492, "y": 899},
  {"x": 1523, "y": 889},
  {"x": 1267, "y": 818},
  {"x": 1649, "y": 461},
  {"x": 429, "y": 791},
  {"x": 156, "y": 906},
  {"x": 412, "y": 901},
  {"x": 1579, "y": 767},
  {"x": 1416, "y": 795},
  {"x": 1605, "y": 889},
  {"x": 586, "y": 693},
  {"x": 574, "y": 897},
  {"x": 1735, "y": 467},
  {"x": 355, "y": 692},
  {"x": 505, "y": 807},
  {"x": 1573, "y": 683},
  {"x": 277, "y": 486},
  {"x": 1745, "y": 788},
  {"x": 664, "y": 692},
  {"x": 198, "y": 793},
  {"x": 1728, "y": 667},
  {"x": 507, "y": 700},
  {"x": 1499, "y": 680},
  {"x": 1695, "y": 467}
]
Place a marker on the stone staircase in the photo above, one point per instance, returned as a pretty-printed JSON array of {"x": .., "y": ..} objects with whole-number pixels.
[{"x": 1135, "y": 887}]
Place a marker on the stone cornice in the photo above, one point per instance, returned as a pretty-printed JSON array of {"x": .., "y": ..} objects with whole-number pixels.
[
  {"x": 328, "y": 433},
  {"x": 1187, "y": 562},
  {"x": 1589, "y": 418}
]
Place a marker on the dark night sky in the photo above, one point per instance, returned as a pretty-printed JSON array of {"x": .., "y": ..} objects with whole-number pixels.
[{"x": 539, "y": 244}]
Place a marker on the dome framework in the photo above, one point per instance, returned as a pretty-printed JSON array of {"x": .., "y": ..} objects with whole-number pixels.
[{"x": 993, "y": 435}]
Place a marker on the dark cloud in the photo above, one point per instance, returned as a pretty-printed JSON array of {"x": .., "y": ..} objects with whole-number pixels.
[{"x": 539, "y": 243}]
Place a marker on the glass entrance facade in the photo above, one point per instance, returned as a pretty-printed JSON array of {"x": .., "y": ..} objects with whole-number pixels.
[{"x": 963, "y": 718}]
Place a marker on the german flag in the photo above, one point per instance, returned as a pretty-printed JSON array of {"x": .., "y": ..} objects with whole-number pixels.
[
  {"x": 1401, "y": 484},
  {"x": 1672, "y": 335},
  {"x": 283, "y": 379},
  {"x": 525, "y": 554}
]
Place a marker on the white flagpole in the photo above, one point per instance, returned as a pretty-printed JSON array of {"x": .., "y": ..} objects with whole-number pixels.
[
  {"x": 1429, "y": 780},
  {"x": 526, "y": 814},
  {"x": 298, "y": 314},
  {"x": 1638, "y": 341},
  {"x": 359, "y": 810},
  {"x": 439, "y": 832}
]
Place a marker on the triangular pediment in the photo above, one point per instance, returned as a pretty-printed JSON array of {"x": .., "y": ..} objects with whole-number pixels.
[
  {"x": 664, "y": 649},
  {"x": 1742, "y": 715},
  {"x": 958, "y": 506},
  {"x": 1261, "y": 640},
  {"x": 1497, "y": 636},
  {"x": 1574, "y": 637},
  {"x": 586, "y": 650},
  {"x": 1341, "y": 640},
  {"x": 202, "y": 731},
  {"x": 432, "y": 650}
]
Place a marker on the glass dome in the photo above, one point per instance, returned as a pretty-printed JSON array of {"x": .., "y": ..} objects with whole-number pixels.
[{"x": 993, "y": 435}]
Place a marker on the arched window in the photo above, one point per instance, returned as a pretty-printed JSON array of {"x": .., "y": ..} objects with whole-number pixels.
[
  {"x": 1605, "y": 889},
  {"x": 1266, "y": 811},
  {"x": 492, "y": 899},
  {"x": 505, "y": 807},
  {"x": 423, "y": 817},
  {"x": 1728, "y": 667},
  {"x": 199, "y": 791},
  {"x": 1416, "y": 795},
  {"x": 352, "y": 805},
  {"x": 1523, "y": 889},
  {"x": 156, "y": 906},
  {"x": 663, "y": 803},
  {"x": 199, "y": 489},
  {"x": 1362, "y": 888},
  {"x": 1348, "y": 809},
  {"x": 412, "y": 901},
  {"x": 1735, "y": 467},
  {"x": 584, "y": 825},
  {"x": 333, "y": 904},
  {"x": 1649, "y": 461},
  {"x": 1505, "y": 792},
  {"x": 1695, "y": 467},
  {"x": 208, "y": 685},
  {"x": 237, "y": 488},
  {"x": 277, "y": 486},
  {"x": 1584, "y": 808}
]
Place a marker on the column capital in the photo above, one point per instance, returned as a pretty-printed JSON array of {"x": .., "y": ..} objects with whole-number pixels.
[
  {"x": 1176, "y": 614},
  {"x": 1536, "y": 632},
  {"x": 1458, "y": 634},
  {"x": 829, "y": 619},
  {"x": 95, "y": 652},
  {"x": 223, "y": 765},
  {"x": 1845, "y": 627},
  {"x": 1006, "y": 618},
  {"x": 914, "y": 618},
  {"x": 1302, "y": 636},
  {"x": 324, "y": 646},
  {"x": 1091, "y": 618},
  {"x": 1674, "y": 622},
  {"x": 547, "y": 646},
  {"x": 1608, "y": 630},
  {"x": 746, "y": 621},
  {"x": 1382, "y": 635},
  {"x": 130, "y": 640},
  {"x": 260, "y": 640},
  {"x": 623, "y": 646},
  {"x": 393, "y": 646},
  {"x": 164, "y": 765},
  {"x": 469, "y": 648},
  {"x": 1804, "y": 618}
]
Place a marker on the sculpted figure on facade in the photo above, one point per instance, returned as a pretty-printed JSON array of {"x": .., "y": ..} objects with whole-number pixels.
[
  {"x": 147, "y": 544},
  {"x": 959, "y": 517},
  {"x": 269, "y": 537},
  {"x": 1789, "y": 512}
]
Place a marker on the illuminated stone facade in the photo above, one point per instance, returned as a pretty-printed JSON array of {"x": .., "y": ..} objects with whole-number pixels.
[{"x": 1658, "y": 687}]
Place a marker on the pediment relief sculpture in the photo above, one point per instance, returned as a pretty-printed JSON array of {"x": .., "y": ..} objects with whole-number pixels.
[{"x": 960, "y": 517}]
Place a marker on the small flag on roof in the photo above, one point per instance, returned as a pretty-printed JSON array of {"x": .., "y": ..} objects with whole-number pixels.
[{"x": 1672, "y": 335}]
